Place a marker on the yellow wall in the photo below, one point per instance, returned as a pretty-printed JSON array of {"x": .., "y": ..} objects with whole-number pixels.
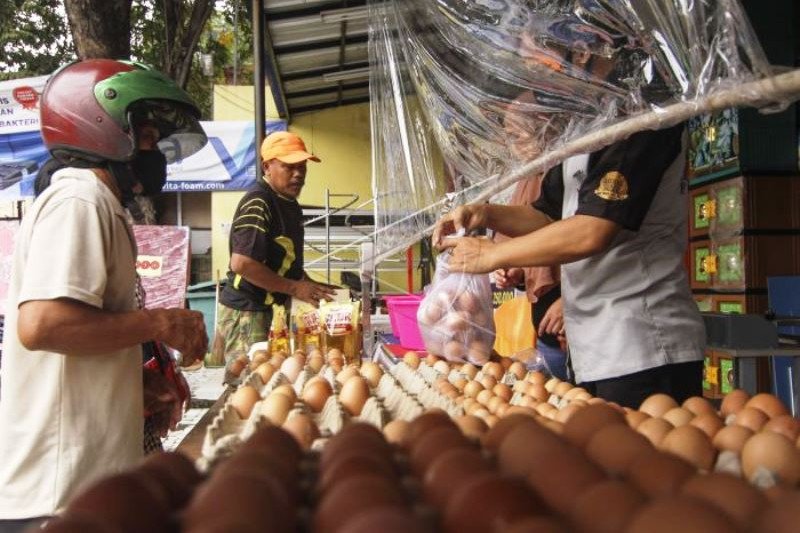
[{"x": 339, "y": 136}]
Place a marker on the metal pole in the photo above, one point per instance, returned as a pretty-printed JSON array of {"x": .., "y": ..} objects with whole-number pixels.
[
  {"x": 328, "y": 235},
  {"x": 258, "y": 81},
  {"x": 235, "y": 42},
  {"x": 179, "y": 202}
]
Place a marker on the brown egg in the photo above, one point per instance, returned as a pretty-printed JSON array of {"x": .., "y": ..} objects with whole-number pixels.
[
  {"x": 731, "y": 438},
  {"x": 605, "y": 507},
  {"x": 348, "y": 465},
  {"x": 276, "y": 408},
  {"x": 614, "y": 446},
  {"x": 432, "y": 443},
  {"x": 383, "y": 519},
  {"x": 751, "y": 418},
  {"x": 334, "y": 353},
  {"x": 773, "y": 452},
  {"x": 276, "y": 442},
  {"x": 244, "y": 399},
  {"x": 657, "y": 404},
  {"x": 559, "y": 475},
  {"x": 566, "y": 412},
  {"x": 277, "y": 359},
  {"x": 495, "y": 436},
  {"x": 264, "y": 463},
  {"x": 372, "y": 372},
  {"x": 472, "y": 389},
  {"x": 451, "y": 469},
  {"x": 529, "y": 402},
  {"x": 546, "y": 410},
  {"x": 469, "y": 370},
  {"x": 698, "y": 405},
  {"x": 265, "y": 372},
  {"x": 484, "y": 396},
  {"x": 537, "y": 391},
  {"x": 396, "y": 432},
  {"x": 679, "y": 514},
  {"x": 634, "y": 418},
  {"x": 237, "y": 366},
  {"x": 315, "y": 363},
  {"x": 471, "y": 426},
  {"x": 786, "y": 425},
  {"x": 411, "y": 359},
  {"x": 733, "y": 402},
  {"x": 517, "y": 369},
  {"x": 562, "y": 388},
  {"x": 782, "y": 516},
  {"x": 303, "y": 429},
  {"x": 574, "y": 393},
  {"x": 354, "y": 495},
  {"x": 536, "y": 377},
  {"x": 175, "y": 472},
  {"x": 346, "y": 373},
  {"x": 494, "y": 403},
  {"x": 518, "y": 449},
  {"x": 768, "y": 403},
  {"x": 357, "y": 438},
  {"x": 84, "y": 523},
  {"x": 442, "y": 367},
  {"x": 493, "y": 369},
  {"x": 316, "y": 393},
  {"x": 580, "y": 427},
  {"x": 486, "y": 502},
  {"x": 488, "y": 382},
  {"x": 354, "y": 394},
  {"x": 691, "y": 444},
  {"x": 678, "y": 416},
  {"x": 709, "y": 423},
  {"x": 654, "y": 429},
  {"x": 286, "y": 390},
  {"x": 259, "y": 356},
  {"x": 536, "y": 524},
  {"x": 658, "y": 474},
  {"x": 739, "y": 500}
]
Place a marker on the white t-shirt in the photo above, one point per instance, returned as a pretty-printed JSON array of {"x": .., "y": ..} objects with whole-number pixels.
[{"x": 67, "y": 420}]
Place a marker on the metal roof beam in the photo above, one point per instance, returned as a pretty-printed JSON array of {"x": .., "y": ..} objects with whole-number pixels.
[
  {"x": 315, "y": 45},
  {"x": 318, "y": 72}
]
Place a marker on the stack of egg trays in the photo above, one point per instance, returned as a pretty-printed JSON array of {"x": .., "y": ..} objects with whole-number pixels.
[
  {"x": 397, "y": 400},
  {"x": 416, "y": 383}
]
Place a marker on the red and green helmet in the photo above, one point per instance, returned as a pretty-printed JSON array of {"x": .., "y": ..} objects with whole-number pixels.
[{"x": 90, "y": 109}]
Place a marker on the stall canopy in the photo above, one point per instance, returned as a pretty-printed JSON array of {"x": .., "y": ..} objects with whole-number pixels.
[
  {"x": 226, "y": 163},
  {"x": 500, "y": 90}
]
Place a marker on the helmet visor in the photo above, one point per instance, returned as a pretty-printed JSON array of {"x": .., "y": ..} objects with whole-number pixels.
[{"x": 180, "y": 130}]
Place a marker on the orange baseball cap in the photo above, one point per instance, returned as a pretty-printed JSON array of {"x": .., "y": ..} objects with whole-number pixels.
[{"x": 286, "y": 147}]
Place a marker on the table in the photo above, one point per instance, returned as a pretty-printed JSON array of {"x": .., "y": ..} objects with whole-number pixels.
[{"x": 192, "y": 443}]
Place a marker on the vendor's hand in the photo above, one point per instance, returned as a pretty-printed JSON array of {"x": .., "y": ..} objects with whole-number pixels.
[
  {"x": 508, "y": 278},
  {"x": 312, "y": 292},
  {"x": 161, "y": 401},
  {"x": 183, "y": 330},
  {"x": 553, "y": 321},
  {"x": 472, "y": 255},
  {"x": 467, "y": 217}
]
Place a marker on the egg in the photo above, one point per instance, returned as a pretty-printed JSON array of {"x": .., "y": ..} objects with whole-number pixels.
[
  {"x": 244, "y": 399},
  {"x": 303, "y": 429},
  {"x": 315, "y": 363},
  {"x": 495, "y": 436},
  {"x": 698, "y": 405},
  {"x": 455, "y": 323},
  {"x": 739, "y": 500},
  {"x": 432, "y": 443},
  {"x": 767, "y": 403},
  {"x": 237, "y": 366},
  {"x": 276, "y": 408},
  {"x": 654, "y": 429},
  {"x": 372, "y": 372},
  {"x": 488, "y": 382},
  {"x": 605, "y": 507},
  {"x": 562, "y": 388},
  {"x": 551, "y": 383},
  {"x": 678, "y": 416},
  {"x": 679, "y": 513},
  {"x": 383, "y": 519},
  {"x": 334, "y": 353},
  {"x": 733, "y": 402},
  {"x": 316, "y": 393},
  {"x": 346, "y": 373},
  {"x": 731, "y": 438},
  {"x": 175, "y": 472},
  {"x": 286, "y": 390},
  {"x": 472, "y": 389},
  {"x": 493, "y": 369},
  {"x": 503, "y": 391},
  {"x": 487, "y": 501},
  {"x": 691, "y": 444},
  {"x": 411, "y": 359},
  {"x": 537, "y": 391},
  {"x": 357, "y": 438},
  {"x": 276, "y": 442},
  {"x": 565, "y": 413},
  {"x": 772, "y": 452},
  {"x": 656, "y": 405},
  {"x": 786, "y": 425},
  {"x": 582, "y": 426},
  {"x": 471, "y": 427},
  {"x": 751, "y": 418},
  {"x": 614, "y": 446},
  {"x": 478, "y": 352},
  {"x": 484, "y": 396},
  {"x": 517, "y": 369},
  {"x": 658, "y": 474},
  {"x": 265, "y": 371},
  {"x": 354, "y": 394},
  {"x": 634, "y": 418},
  {"x": 349, "y": 465},
  {"x": 451, "y": 469},
  {"x": 354, "y": 495},
  {"x": 396, "y": 432},
  {"x": 537, "y": 377},
  {"x": 258, "y": 357},
  {"x": 441, "y": 366},
  {"x": 782, "y": 516},
  {"x": 709, "y": 423}
]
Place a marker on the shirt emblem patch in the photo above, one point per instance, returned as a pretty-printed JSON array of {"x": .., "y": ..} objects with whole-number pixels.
[{"x": 613, "y": 187}]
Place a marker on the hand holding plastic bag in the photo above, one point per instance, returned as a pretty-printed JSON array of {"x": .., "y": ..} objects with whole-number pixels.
[{"x": 456, "y": 316}]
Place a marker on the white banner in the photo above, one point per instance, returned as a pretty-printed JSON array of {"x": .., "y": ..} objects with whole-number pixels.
[{"x": 19, "y": 104}]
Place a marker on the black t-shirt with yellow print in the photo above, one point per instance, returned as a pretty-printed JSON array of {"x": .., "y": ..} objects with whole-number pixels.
[{"x": 268, "y": 228}]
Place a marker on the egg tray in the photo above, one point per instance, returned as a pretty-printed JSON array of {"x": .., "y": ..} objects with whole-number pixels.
[
  {"x": 397, "y": 400},
  {"x": 415, "y": 384}
]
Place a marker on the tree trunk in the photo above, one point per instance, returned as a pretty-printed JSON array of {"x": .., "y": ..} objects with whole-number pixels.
[
  {"x": 179, "y": 63},
  {"x": 100, "y": 28}
]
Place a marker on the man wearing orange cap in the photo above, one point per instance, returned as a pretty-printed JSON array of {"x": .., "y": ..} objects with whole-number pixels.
[{"x": 266, "y": 248}]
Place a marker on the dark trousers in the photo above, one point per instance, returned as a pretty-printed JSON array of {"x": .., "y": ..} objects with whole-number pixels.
[{"x": 680, "y": 380}]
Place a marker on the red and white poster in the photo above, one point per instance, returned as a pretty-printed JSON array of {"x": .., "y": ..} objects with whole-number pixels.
[
  {"x": 163, "y": 264},
  {"x": 8, "y": 236}
]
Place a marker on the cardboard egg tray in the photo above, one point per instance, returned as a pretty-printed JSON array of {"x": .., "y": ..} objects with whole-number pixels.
[
  {"x": 397, "y": 400},
  {"x": 420, "y": 384}
]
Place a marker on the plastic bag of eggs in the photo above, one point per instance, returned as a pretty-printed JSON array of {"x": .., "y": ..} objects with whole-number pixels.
[{"x": 456, "y": 317}]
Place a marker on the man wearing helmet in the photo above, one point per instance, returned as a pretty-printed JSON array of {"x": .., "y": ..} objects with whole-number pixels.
[{"x": 71, "y": 409}]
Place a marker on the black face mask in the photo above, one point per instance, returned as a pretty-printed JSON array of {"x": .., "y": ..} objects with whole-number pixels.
[{"x": 150, "y": 169}]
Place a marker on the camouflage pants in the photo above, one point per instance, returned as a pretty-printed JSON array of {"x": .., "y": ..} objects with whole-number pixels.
[{"x": 237, "y": 331}]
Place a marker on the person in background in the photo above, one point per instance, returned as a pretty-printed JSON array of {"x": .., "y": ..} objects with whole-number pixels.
[
  {"x": 615, "y": 220},
  {"x": 71, "y": 409},
  {"x": 266, "y": 247},
  {"x": 528, "y": 133}
]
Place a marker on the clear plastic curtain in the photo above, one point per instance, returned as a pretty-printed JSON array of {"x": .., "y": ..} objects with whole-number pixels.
[{"x": 465, "y": 91}]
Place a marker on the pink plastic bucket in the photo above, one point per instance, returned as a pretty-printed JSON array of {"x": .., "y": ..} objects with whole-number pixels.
[{"x": 403, "y": 319}]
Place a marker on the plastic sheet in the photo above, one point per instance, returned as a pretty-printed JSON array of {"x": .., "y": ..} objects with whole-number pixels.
[{"x": 465, "y": 94}]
